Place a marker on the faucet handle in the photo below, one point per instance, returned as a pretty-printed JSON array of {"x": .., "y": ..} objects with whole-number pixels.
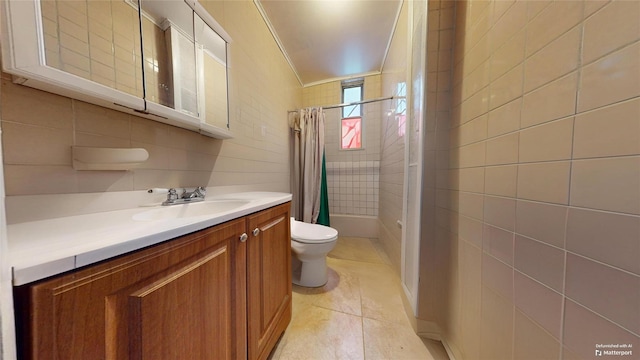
[
  {"x": 201, "y": 191},
  {"x": 172, "y": 194}
]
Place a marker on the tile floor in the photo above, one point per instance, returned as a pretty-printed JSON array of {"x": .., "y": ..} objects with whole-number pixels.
[{"x": 358, "y": 314}]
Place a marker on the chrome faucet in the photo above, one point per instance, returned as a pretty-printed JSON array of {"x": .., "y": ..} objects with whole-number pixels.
[{"x": 185, "y": 197}]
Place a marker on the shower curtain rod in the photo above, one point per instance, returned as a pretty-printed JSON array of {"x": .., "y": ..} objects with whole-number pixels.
[{"x": 354, "y": 103}]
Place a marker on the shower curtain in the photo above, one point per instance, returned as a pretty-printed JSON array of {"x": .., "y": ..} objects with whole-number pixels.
[{"x": 308, "y": 173}]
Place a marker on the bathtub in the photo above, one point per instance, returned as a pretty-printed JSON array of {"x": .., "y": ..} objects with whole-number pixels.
[{"x": 355, "y": 225}]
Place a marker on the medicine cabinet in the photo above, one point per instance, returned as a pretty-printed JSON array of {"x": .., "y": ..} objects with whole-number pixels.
[{"x": 165, "y": 60}]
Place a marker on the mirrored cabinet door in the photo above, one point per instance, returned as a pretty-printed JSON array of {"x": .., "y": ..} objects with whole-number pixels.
[
  {"x": 212, "y": 65},
  {"x": 96, "y": 40},
  {"x": 157, "y": 64},
  {"x": 170, "y": 55}
]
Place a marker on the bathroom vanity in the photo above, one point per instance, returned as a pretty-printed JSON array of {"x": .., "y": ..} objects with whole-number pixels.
[{"x": 220, "y": 292}]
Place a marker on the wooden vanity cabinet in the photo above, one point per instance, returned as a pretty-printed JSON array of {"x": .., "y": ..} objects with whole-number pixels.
[{"x": 183, "y": 299}]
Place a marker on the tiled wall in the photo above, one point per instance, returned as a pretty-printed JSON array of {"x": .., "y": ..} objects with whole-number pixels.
[
  {"x": 352, "y": 175},
  {"x": 543, "y": 202},
  {"x": 392, "y": 142},
  {"x": 39, "y": 128},
  {"x": 353, "y": 187}
]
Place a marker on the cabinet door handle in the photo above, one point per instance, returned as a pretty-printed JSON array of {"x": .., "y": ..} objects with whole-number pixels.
[
  {"x": 244, "y": 237},
  {"x": 256, "y": 231}
]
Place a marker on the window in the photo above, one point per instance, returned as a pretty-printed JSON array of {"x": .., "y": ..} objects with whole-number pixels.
[
  {"x": 352, "y": 133},
  {"x": 351, "y": 122},
  {"x": 350, "y": 95}
]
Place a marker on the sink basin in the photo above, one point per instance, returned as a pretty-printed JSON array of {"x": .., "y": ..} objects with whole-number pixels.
[{"x": 190, "y": 210}]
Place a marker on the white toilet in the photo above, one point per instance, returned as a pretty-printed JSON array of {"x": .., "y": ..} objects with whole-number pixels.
[{"x": 310, "y": 244}]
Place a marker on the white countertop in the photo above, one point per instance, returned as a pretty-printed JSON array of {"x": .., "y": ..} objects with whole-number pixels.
[{"x": 39, "y": 249}]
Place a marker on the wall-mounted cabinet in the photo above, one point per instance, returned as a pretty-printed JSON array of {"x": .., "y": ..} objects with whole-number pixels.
[{"x": 164, "y": 60}]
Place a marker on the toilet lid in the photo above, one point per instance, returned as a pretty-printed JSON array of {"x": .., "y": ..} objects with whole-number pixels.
[{"x": 312, "y": 233}]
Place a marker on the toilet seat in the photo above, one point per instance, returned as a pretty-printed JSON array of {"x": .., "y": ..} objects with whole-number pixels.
[{"x": 312, "y": 233}]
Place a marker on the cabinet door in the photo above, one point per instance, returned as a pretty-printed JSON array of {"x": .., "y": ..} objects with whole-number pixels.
[
  {"x": 212, "y": 65},
  {"x": 95, "y": 40},
  {"x": 268, "y": 279},
  {"x": 184, "y": 299},
  {"x": 170, "y": 57}
]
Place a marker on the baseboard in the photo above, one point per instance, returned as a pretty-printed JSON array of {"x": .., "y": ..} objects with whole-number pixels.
[
  {"x": 432, "y": 331},
  {"x": 391, "y": 246}
]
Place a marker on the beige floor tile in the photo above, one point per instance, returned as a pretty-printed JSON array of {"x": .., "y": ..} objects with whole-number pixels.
[
  {"x": 380, "y": 250},
  {"x": 340, "y": 293},
  {"x": 383, "y": 303},
  {"x": 372, "y": 272},
  {"x": 358, "y": 249},
  {"x": 358, "y": 314},
  {"x": 322, "y": 334},
  {"x": 384, "y": 340},
  {"x": 300, "y": 302},
  {"x": 380, "y": 289}
]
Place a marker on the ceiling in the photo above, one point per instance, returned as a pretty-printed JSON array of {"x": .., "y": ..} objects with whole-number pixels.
[{"x": 327, "y": 40}]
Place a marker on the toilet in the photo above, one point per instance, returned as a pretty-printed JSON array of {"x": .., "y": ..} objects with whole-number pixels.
[{"x": 310, "y": 244}]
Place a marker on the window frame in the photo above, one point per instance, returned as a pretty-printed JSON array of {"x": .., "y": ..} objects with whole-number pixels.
[{"x": 349, "y": 84}]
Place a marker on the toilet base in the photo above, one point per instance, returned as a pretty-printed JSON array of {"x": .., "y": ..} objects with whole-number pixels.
[{"x": 310, "y": 273}]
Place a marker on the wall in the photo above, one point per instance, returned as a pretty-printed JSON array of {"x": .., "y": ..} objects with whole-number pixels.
[
  {"x": 544, "y": 188},
  {"x": 353, "y": 175},
  {"x": 40, "y": 128},
  {"x": 392, "y": 142},
  {"x": 435, "y": 249}
]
